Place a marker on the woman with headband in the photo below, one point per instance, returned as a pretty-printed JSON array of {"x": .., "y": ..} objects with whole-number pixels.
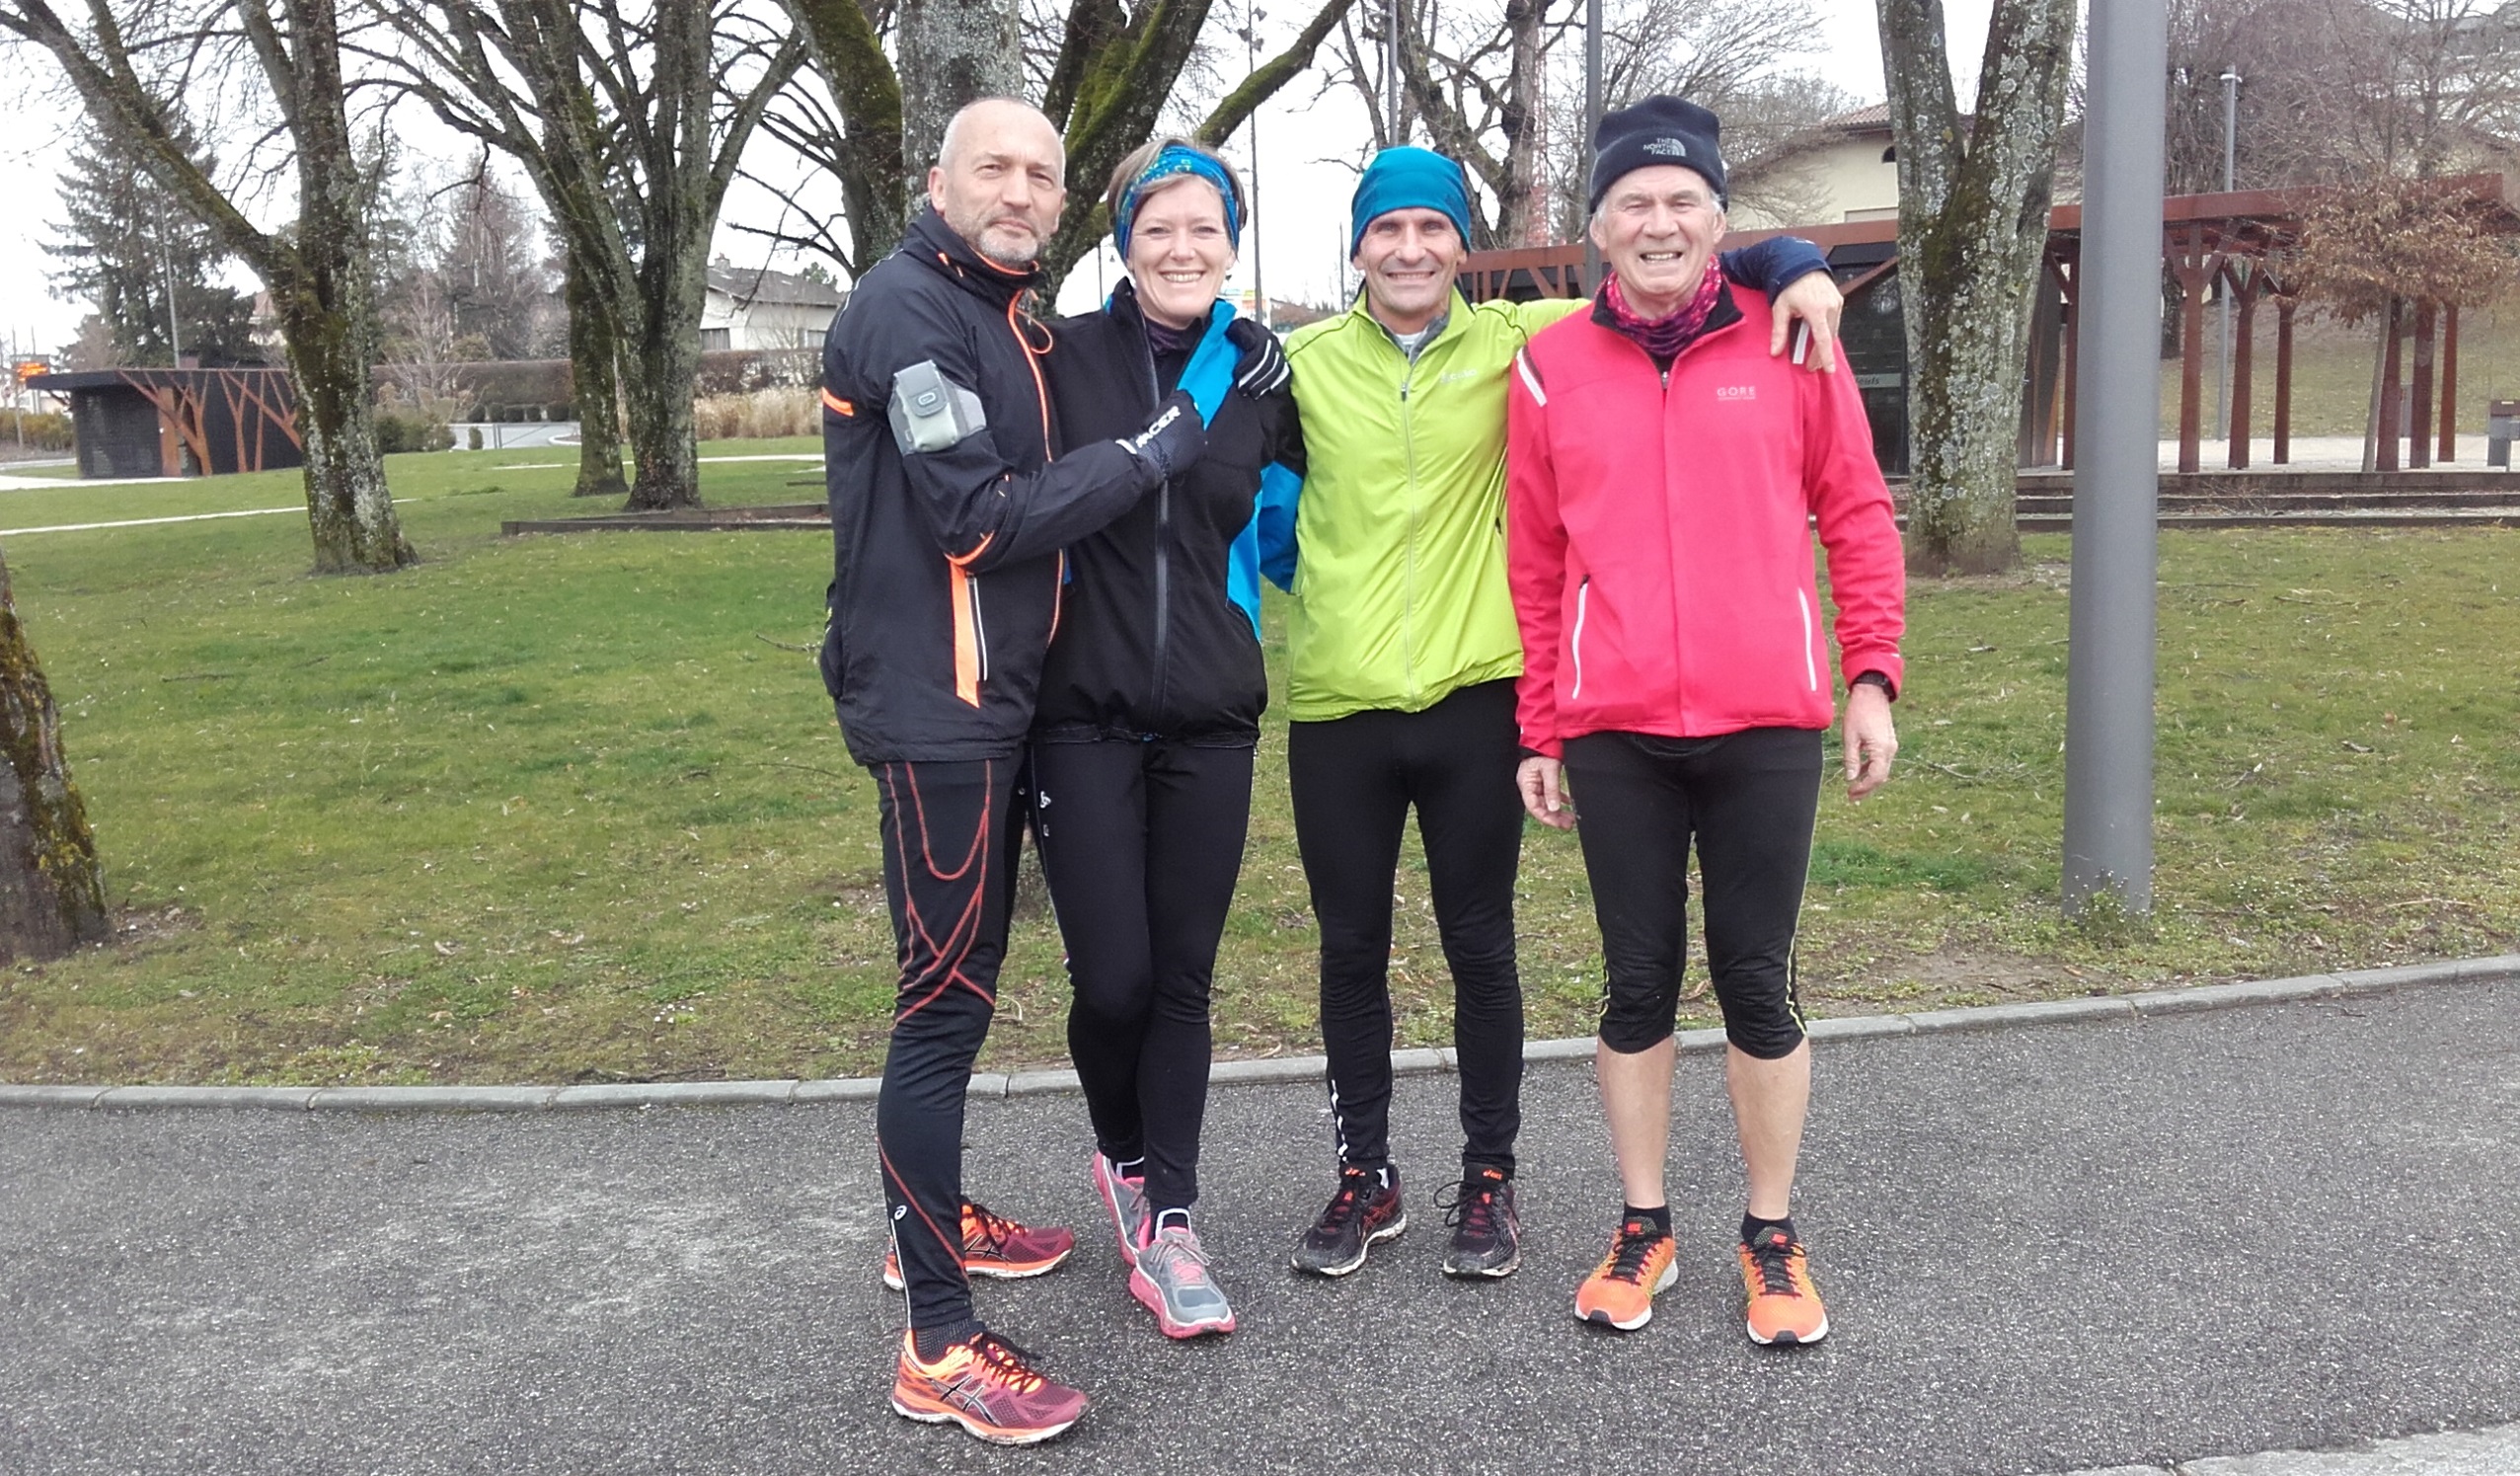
[{"x": 1150, "y": 705}]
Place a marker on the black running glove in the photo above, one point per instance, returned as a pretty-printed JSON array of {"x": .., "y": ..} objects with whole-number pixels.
[
  {"x": 1261, "y": 370},
  {"x": 1173, "y": 438}
]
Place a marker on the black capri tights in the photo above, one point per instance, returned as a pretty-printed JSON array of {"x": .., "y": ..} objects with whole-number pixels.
[{"x": 1747, "y": 800}]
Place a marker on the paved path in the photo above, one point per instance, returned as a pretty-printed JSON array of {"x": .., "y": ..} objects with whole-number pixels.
[{"x": 2059, "y": 1248}]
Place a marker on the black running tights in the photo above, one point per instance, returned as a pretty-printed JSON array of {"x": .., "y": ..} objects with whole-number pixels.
[
  {"x": 1141, "y": 842},
  {"x": 1353, "y": 780},
  {"x": 949, "y": 834}
]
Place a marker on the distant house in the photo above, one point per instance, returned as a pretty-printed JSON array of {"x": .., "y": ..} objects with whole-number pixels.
[
  {"x": 1839, "y": 170},
  {"x": 753, "y": 307}
]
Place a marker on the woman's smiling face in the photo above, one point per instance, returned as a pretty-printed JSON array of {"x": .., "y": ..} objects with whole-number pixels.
[{"x": 1179, "y": 252}]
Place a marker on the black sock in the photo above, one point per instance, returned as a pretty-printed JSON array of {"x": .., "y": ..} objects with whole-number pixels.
[
  {"x": 1660, "y": 1215},
  {"x": 1178, "y": 1219},
  {"x": 1129, "y": 1168},
  {"x": 1752, "y": 1227},
  {"x": 932, "y": 1341}
]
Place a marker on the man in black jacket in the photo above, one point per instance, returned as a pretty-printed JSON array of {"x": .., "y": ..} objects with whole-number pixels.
[{"x": 948, "y": 516}]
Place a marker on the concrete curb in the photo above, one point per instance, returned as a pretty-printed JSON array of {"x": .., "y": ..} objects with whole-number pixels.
[{"x": 2124, "y": 1008}]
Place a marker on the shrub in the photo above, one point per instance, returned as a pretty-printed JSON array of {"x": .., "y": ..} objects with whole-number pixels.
[
  {"x": 472, "y": 437},
  {"x": 763, "y": 413},
  {"x": 559, "y": 410},
  {"x": 44, "y": 430},
  {"x": 413, "y": 430}
]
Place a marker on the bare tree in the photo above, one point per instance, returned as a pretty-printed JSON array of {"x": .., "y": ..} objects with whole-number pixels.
[
  {"x": 1498, "y": 85},
  {"x": 1108, "y": 73},
  {"x": 1973, "y": 199},
  {"x": 136, "y": 68},
  {"x": 629, "y": 120},
  {"x": 52, "y": 898}
]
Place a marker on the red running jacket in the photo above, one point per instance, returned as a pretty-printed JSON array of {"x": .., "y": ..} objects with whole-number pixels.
[{"x": 1658, "y": 534}]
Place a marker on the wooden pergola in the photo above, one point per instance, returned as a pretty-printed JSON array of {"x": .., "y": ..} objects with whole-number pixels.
[{"x": 2234, "y": 239}]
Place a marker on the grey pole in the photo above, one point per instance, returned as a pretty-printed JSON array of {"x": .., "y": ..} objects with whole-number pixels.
[
  {"x": 174, "y": 332},
  {"x": 1390, "y": 68},
  {"x": 2222, "y": 343},
  {"x": 2108, "y": 687},
  {"x": 1591, "y": 127}
]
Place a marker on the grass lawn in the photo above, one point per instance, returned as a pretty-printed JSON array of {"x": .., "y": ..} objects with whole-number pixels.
[
  {"x": 2331, "y": 375},
  {"x": 571, "y": 807}
]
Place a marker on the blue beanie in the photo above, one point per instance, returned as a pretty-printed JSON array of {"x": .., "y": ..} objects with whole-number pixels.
[{"x": 1406, "y": 178}]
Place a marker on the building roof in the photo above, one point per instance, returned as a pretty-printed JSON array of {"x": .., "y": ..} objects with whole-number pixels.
[
  {"x": 1861, "y": 120},
  {"x": 63, "y": 381},
  {"x": 753, "y": 286}
]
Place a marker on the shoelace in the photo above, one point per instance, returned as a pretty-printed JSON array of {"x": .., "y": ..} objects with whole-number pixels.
[
  {"x": 1011, "y": 1366},
  {"x": 1349, "y": 1202},
  {"x": 1627, "y": 1252},
  {"x": 1774, "y": 1257},
  {"x": 1178, "y": 1254},
  {"x": 1473, "y": 1207},
  {"x": 987, "y": 1229}
]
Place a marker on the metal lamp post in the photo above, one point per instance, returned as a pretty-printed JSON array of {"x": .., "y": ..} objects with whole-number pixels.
[{"x": 2109, "y": 686}]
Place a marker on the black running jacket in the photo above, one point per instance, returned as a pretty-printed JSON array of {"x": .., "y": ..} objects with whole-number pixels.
[
  {"x": 1152, "y": 644},
  {"x": 947, "y": 563}
]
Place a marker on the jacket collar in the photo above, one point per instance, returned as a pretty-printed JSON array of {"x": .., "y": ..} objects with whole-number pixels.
[
  {"x": 936, "y": 245},
  {"x": 1723, "y": 315},
  {"x": 1455, "y": 319}
]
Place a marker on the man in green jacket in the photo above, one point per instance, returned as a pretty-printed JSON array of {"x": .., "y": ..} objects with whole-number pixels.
[{"x": 1403, "y": 651}]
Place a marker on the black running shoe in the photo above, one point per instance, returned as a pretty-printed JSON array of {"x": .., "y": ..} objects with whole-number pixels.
[
  {"x": 1365, "y": 1210},
  {"x": 1486, "y": 1237}
]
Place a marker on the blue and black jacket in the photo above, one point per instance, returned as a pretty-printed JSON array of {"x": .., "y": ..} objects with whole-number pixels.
[{"x": 1159, "y": 635}]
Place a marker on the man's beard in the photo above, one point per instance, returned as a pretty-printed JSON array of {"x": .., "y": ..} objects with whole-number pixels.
[{"x": 975, "y": 231}]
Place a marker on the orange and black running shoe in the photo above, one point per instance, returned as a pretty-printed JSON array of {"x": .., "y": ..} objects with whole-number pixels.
[
  {"x": 998, "y": 1247},
  {"x": 1785, "y": 1307},
  {"x": 1619, "y": 1292},
  {"x": 988, "y": 1386}
]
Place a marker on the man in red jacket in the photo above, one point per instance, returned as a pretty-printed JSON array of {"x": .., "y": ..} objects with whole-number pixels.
[{"x": 1662, "y": 474}]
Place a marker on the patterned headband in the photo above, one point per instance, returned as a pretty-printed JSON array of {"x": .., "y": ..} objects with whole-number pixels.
[{"x": 1173, "y": 162}]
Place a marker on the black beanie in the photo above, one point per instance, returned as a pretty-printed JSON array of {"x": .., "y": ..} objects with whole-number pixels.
[{"x": 1658, "y": 130}]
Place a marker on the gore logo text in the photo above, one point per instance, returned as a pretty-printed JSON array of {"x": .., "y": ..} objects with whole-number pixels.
[{"x": 1736, "y": 392}]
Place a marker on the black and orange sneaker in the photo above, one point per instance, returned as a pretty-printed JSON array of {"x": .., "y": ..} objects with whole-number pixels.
[
  {"x": 988, "y": 1386},
  {"x": 997, "y": 1247},
  {"x": 1785, "y": 1307},
  {"x": 1619, "y": 1292},
  {"x": 1366, "y": 1208},
  {"x": 1486, "y": 1234}
]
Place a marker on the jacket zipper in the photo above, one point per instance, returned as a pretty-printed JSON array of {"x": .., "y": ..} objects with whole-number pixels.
[
  {"x": 1408, "y": 580},
  {"x": 1163, "y": 555}
]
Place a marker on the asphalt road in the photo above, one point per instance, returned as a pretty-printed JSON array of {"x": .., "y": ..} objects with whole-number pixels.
[{"x": 2045, "y": 1249}]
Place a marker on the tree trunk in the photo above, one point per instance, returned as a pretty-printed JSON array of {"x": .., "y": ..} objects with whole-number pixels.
[
  {"x": 51, "y": 897},
  {"x": 327, "y": 305},
  {"x": 848, "y": 54},
  {"x": 657, "y": 378},
  {"x": 953, "y": 52},
  {"x": 595, "y": 384},
  {"x": 1973, "y": 236}
]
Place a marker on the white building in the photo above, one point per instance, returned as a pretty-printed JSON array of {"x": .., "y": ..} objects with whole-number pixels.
[
  {"x": 1844, "y": 168},
  {"x": 753, "y": 307}
]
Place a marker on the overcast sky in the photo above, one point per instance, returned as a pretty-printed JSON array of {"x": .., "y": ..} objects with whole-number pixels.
[{"x": 1302, "y": 205}]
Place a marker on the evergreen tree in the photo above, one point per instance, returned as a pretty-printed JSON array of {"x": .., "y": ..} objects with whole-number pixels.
[{"x": 123, "y": 242}]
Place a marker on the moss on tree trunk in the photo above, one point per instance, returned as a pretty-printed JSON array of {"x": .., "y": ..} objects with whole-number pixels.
[
  {"x": 51, "y": 897},
  {"x": 594, "y": 373}
]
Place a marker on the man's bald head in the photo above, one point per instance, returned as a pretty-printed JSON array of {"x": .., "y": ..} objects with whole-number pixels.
[{"x": 1001, "y": 178}]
